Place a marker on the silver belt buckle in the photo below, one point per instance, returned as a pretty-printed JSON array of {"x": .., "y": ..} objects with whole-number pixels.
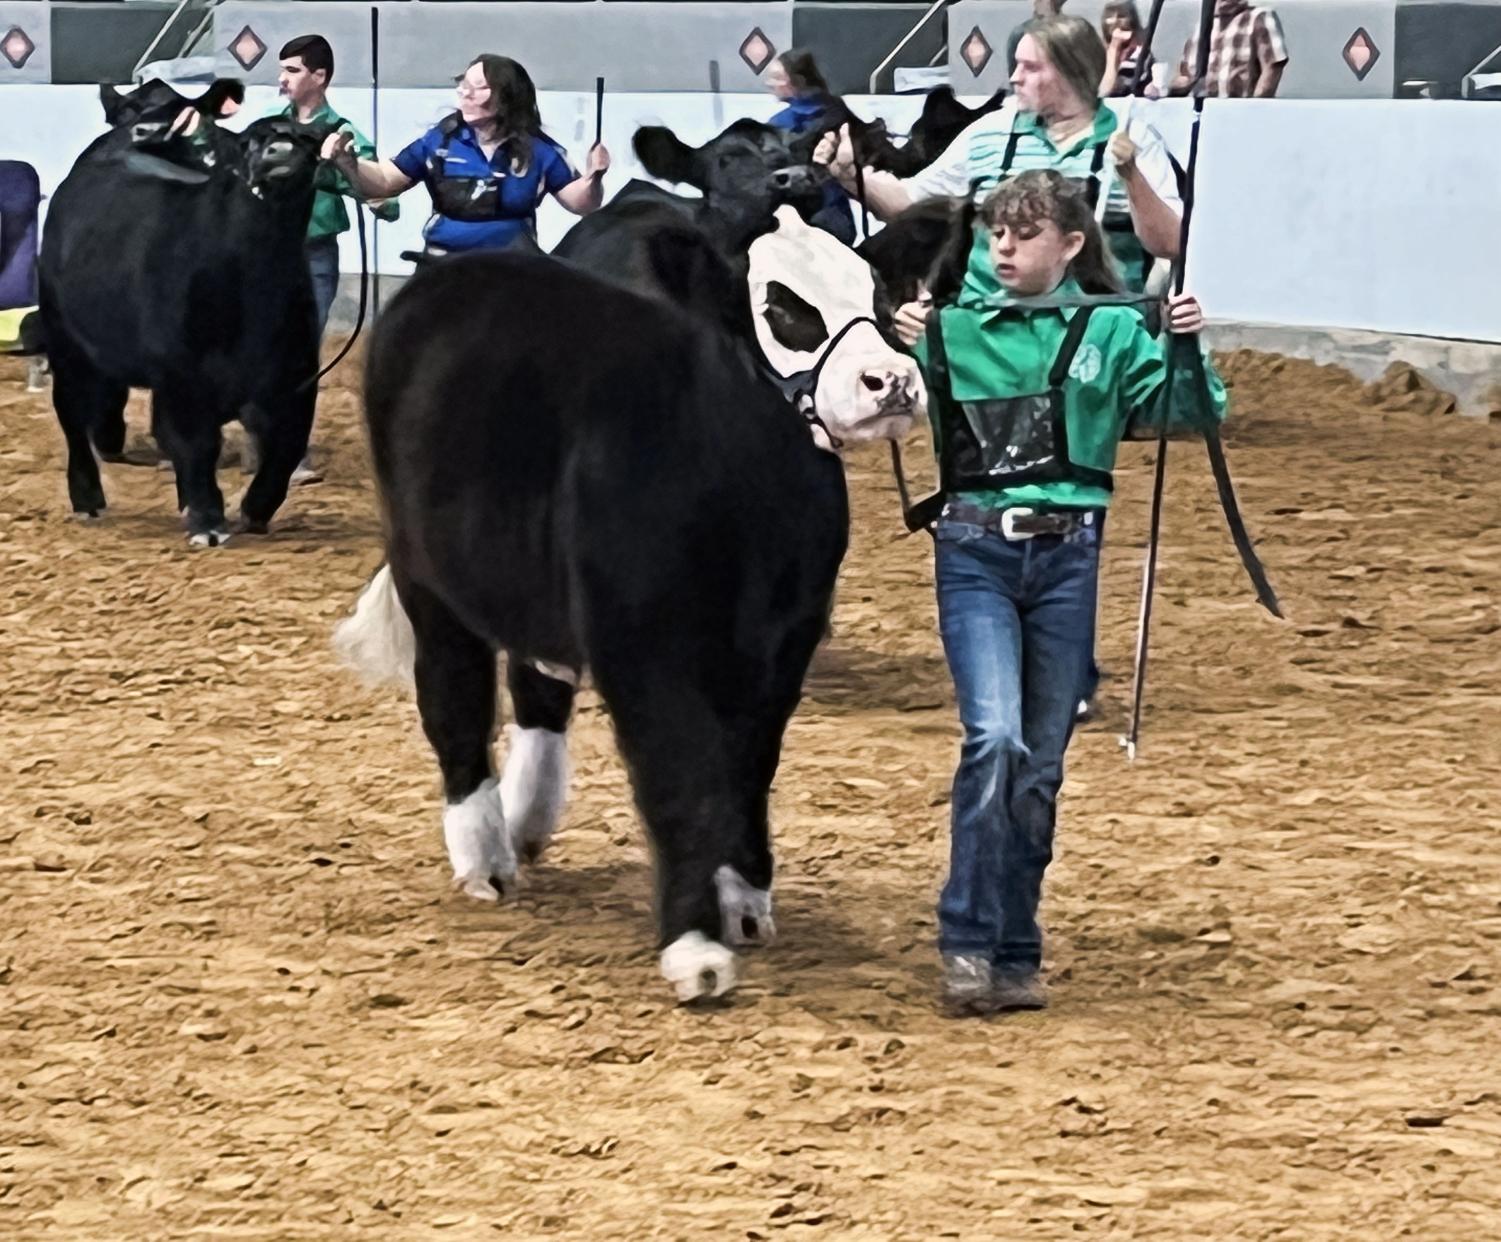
[{"x": 1008, "y": 524}]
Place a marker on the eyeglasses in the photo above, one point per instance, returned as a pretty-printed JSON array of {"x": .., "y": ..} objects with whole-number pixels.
[{"x": 470, "y": 92}]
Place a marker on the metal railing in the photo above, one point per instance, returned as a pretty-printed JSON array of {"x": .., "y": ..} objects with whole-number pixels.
[
  {"x": 188, "y": 43},
  {"x": 937, "y": 7},
  {"x": 1467, "y": 84}
]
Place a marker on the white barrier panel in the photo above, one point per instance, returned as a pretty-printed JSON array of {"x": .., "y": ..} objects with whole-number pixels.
[
  {"x": 1351, "y": 214},
  {"x": 1371, "y": 214}
]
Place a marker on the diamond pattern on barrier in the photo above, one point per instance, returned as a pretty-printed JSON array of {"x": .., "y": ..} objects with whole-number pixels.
[
  {"x": 1361, "y": 54},
  {"x": 17, "y": 47},
  {"x": 757, "y": 50},
  {"x": 247, "y": 48},
  {"x": 976, "y": 51}
]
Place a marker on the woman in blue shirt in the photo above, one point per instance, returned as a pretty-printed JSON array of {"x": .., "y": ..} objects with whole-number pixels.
[
  {"x": 812, "y": 109},
  {"x": 487, "y": 165}
]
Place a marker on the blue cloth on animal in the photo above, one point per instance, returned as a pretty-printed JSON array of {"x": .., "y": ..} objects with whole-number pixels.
[
  {"x": 800, "y": 115},
  {"x": 520, "y": 192}
]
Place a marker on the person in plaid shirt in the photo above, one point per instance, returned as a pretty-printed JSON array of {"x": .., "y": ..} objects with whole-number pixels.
[{"x": 1246, "y": 56}]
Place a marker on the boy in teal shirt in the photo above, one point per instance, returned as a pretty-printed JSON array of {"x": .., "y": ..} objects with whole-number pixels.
[{"x": 307, "y": 67}]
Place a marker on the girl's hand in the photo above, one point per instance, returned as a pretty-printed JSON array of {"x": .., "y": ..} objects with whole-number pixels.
[
  {"x": 1184, "y": 314},
  {"x": 1120, "y": 41},
  {"x": 911, "y": 320},
  {"x": 598, "y": 162}
]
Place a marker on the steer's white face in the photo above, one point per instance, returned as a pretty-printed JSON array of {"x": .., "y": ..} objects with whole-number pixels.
[{"x": 807, "y": 288}]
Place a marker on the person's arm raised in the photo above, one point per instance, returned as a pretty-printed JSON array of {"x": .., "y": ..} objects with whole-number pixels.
[{"x": 371, "y": 178}]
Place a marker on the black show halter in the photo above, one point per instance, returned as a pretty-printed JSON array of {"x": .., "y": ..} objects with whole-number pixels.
[{"x": 801, "y": 386}]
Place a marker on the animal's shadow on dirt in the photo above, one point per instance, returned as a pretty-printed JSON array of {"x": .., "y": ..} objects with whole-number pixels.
[
  {"x": 609, "y": 910},
  {"x": 850, "y": 679},
  {"x": 291, "y": 531}
]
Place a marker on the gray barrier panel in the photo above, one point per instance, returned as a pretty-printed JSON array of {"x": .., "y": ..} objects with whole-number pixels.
[
  {"x": 635, "y": 47},
  {"x": 25, "y": 43},
  {"x": 1317, "y": 34}
]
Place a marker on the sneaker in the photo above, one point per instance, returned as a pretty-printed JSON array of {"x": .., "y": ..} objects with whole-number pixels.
[
  {"x": 967, "y": 984},
  {"x": 1018, "y": 990},
  {"x": 305, "y": 475}
]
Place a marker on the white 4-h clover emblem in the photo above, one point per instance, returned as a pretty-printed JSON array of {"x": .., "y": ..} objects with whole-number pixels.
[{"x": 1087, "y": 364}]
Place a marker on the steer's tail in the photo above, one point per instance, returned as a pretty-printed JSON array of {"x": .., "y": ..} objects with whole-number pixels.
[{"x": 376, "y": 640}]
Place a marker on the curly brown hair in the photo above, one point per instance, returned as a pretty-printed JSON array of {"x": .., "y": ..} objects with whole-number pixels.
[{"x": 1043, "y": 196}]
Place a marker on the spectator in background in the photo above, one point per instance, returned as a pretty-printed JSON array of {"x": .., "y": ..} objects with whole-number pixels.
[
  {"x": 812, "y": 107},
  {"x": 1040, "y": 8},
  {"x": 1247, "y": 54},
  {"x": 307, "y": 67},
  {"x": 1125, "y": 52},
  {"x": 487, "y": 165}
]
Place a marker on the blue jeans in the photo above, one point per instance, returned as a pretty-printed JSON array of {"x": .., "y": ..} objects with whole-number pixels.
[
  {"x": 1018, "y": 622},
  {"x": 323, "y": 266}
]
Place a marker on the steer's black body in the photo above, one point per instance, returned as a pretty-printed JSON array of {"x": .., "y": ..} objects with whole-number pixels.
[
  {"x": 162, "y": 269},
  {"x": 575, "y": 473}
]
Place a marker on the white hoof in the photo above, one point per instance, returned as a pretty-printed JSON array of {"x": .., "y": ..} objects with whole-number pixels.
[
  {"x": 209, "y": 539},
  {"x": 533, "y": 788},
  {"x": 745, "y": 911},
  {"x": 697, "y": 966},
  {"x": 479, "y": 849}
]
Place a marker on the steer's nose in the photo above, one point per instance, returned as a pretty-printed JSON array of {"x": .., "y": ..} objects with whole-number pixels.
[{"x": 890, "y": 387}]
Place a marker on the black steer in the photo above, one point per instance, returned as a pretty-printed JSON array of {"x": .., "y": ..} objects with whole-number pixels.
[
  {"x": 653, "y": 240},
  {"x": 743, "y": 175},
  {"x": 152, "y": 108},
  {"x": 179, "y": 267}
]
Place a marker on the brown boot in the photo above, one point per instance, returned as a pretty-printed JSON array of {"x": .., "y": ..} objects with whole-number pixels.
[{"x": 1018, "y": 990}]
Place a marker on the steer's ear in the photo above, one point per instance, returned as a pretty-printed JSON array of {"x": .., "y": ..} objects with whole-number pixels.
[
  {"x": 110, "y": 99},
  {"x": 666, "y": 156},
  {"x": 223, "y": 97}
]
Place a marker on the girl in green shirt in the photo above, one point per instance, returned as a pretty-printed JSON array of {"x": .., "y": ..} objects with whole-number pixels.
[{"x": 1029, "y": 403}]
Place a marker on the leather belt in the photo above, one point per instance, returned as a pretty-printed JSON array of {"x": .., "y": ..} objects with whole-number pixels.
[{"x": 1018, "y": 524}]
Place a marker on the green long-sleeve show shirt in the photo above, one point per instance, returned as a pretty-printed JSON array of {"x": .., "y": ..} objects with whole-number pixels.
[{"x": 1007, "y": 350}]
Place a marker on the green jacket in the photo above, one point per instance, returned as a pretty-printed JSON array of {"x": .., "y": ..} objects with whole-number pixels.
[
  {"x": 1120, "y": 370},
  {"x": 330, "y": 217}
]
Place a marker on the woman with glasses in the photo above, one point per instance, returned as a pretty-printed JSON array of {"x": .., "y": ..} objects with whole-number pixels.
[{"x": 487, "y": 165}]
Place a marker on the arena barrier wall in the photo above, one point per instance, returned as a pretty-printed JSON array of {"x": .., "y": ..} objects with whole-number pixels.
[{"x": 1376, "y": 215}]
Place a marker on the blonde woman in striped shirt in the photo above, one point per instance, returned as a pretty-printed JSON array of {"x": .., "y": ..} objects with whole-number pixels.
[{"x": 1059, "y": 122}]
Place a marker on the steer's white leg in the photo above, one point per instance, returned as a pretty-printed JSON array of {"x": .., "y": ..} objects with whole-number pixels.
[
  {"x": 479, "y": 847},
  {"x": 697, "y": 967},
  {"x": 533, "y": 788},
  {"x": 745, "y": 911}
]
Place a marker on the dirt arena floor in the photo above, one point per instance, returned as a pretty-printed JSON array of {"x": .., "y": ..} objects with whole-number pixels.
[{"x": 236, "y": 1000}]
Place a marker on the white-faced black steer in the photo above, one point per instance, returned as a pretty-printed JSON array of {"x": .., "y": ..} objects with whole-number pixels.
[{"x": 587, "y": 478}]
